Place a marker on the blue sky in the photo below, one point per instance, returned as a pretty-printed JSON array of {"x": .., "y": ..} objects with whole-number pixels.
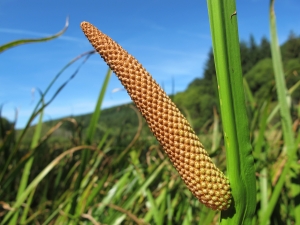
[{"x": 170, "y": 38}]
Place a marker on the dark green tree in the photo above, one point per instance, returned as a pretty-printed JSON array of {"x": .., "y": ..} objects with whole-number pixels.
[
  {"x": 291, "y": 48},
  {"x": 264, "y": 49}
]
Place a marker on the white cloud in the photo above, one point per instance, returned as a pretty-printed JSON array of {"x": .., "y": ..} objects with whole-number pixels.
[{"x": 178, "y": 66}]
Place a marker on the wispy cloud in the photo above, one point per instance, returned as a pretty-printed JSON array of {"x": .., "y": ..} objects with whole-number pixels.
[
  {"x": 156, "y": 27},
  {"x": 166, "y": 51},
  {"x": 18, "y": 89},
  {"x": 152, "y": 25},
  {"x": 177, "y": 67},
  {"x": 37, "y": 34},
  {"x": 192, "y": 34}
]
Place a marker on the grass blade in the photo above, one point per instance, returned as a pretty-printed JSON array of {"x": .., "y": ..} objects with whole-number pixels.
[
  {"x": 240, "y": 164},
  {"x": 27, "y": 168},
  {"x": 282, "y": 93},
  {"x": 96, "y": 114},
  {"x": 90, "y": 134},
  {"x": 26, "y": 41},
  {"x": 37, "y": 110},
  {"x": 37, "y": 180},
  {"x": 278, "y": 188},
  {"x": 290, "y": 149}
]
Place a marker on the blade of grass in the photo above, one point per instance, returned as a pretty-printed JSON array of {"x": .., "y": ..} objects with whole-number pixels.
[
  {"x": 38, "y": 178},
  {"x": 249, "y": 95},
  {"x": 128, "y": 203},
  {"x": 37, "y": 110},
  {"x": 276, "y": 108},
  {"x": 171, "y": 208},
  {"x": 26, "y": 208},
  {"x": 188, "y": 217},
  {"x": 158, "y": 213},
  {"x": 216, "y": 136},
  {"x": 240, "y": 163},
  {"x": 92, "y": 170},
  {"x": 96, "y": 190},
  {"x": 88, "y": 141},
  {"x": 209, "y": 217},
  {"x": 11, "y": 176},
  {"x": 27, "y": 168},
  {"x": 153, "y": 208},
  {"x": 286, "y": 120},
  {"x": 278, "y": 188},
  {"x": 26, "y": 41},
  {"x": 259, "y": 142},
  {"x": 138, "y": 132},
  {"x": 111, "y": 193},
  {"x": 81, "y": 207},
  {"x": 262, "y": 156},
  {"x": 96, "y": 114},
  {"x": 56, "y": 212}
]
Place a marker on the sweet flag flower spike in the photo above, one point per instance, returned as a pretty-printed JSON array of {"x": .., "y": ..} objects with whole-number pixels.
[{"x": 166, "y": 122}]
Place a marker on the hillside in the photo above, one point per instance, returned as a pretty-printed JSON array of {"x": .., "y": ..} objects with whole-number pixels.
[{"x": 198, "y": 100}]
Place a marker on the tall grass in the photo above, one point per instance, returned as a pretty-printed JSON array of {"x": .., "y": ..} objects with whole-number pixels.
[
  {"x": 289, "y": 149},
  {"x": 240, "y": 163}
]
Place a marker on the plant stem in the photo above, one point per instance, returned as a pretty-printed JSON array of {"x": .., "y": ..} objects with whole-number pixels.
[{"x": 240, "y": 163}]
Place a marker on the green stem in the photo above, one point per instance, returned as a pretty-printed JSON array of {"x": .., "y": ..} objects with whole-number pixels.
[
  {"x": 240, "y": 163},
  {"x": 282, "y": 93}
]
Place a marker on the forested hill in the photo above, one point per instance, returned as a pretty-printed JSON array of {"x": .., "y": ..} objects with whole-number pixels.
[{"x": 199, "y": 99}]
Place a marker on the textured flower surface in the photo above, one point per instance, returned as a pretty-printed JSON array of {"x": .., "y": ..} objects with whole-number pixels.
[{"x": 166, "y": 122}]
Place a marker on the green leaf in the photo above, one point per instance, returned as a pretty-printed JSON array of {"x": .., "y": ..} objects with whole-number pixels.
[
  {"x": 240, "y": 163},
  {"x": 282, "y": 93},
  {"x": 37, "y": 180},
  {"x": 27, "y": 41}
]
